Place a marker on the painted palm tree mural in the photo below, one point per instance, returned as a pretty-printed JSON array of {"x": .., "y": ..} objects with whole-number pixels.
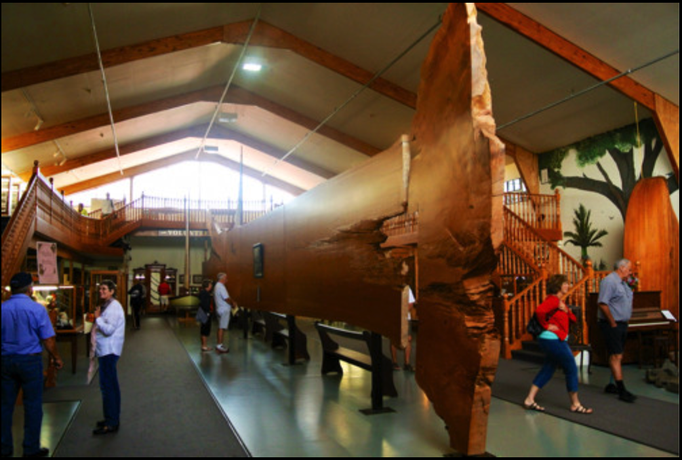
[{"x": 584, "y": 235}]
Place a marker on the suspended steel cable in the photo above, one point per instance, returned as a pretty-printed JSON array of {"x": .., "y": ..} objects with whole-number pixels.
[
  {"x": 106, "y": 89},
  {"x": 229, "y": 82},
  {"x": 350, "y": 99},
  {"x": 587, "y": 90}
]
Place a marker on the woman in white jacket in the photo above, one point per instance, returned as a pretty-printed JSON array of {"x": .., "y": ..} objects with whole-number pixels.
[{"x": 110, "y": 325}]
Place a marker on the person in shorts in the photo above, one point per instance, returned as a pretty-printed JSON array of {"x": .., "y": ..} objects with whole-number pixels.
[
  {"x": 223, "y": 306},
  {"x": 615, "y": 310}
]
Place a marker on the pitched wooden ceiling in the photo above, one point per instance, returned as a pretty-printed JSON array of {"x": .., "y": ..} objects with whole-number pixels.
[{"x": 167, "y": 65}]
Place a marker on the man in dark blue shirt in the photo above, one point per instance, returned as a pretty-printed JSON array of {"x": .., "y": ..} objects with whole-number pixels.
[{"x": 25, "y": 326}]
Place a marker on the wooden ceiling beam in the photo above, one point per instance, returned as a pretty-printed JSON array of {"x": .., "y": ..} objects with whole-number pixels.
[
  {"x": 110, "y": 153},
  {"x": 666, "y": 114},
  {"x": 566, "y": 50},
  {"x": 265, "y": 35},
  {"x": 236, "y": 95},
  {"x": 196, "y": 132},
  {"x": 88, "y": 63},
  {"x": 224, "y": 133},
  {"x": 102, "y": 120},
  {"x": 175, "y": 159}
]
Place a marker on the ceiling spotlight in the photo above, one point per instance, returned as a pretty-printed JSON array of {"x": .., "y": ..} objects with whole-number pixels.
[
  {"x": 228, "y": 117},
  {"x": 252, "y": 67}
]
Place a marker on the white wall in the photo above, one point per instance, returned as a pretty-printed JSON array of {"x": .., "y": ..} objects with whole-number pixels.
[{"x": 167, "y": 250}]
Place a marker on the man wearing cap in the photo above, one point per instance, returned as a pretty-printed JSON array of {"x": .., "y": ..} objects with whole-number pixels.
[{"x": 25, "y": 325}]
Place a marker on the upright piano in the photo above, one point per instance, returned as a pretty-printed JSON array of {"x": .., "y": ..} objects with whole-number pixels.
[{"x": 646, "y": 323}]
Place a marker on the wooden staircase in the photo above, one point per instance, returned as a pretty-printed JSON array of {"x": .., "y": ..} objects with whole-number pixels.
[
  {"x": 529, "y": 254},
  {"x": 43, "y": 213}
]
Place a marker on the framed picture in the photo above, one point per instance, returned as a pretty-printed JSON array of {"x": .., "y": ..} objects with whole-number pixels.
[
  {"x": 197, "y": 279},
  {"x": 258, "y": 260},
  {"x": 181, "y": 280}
]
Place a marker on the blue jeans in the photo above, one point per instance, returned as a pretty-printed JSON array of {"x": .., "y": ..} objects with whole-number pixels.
[
  {"x": 25, "y": 372},
  {"x": 111, "y": 392},
  {"x": 557, "y": 354}
]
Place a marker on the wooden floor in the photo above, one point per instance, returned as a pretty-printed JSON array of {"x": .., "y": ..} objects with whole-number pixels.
[{"x": 292, "y": 411}]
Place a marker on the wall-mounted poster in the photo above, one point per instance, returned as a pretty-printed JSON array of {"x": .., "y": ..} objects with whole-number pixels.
[
  {"x": 47, "y": 263},
  {"x": 258, "y": 260}
]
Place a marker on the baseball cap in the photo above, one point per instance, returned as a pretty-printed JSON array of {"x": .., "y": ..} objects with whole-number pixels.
[{"x": 21, "y": 280}]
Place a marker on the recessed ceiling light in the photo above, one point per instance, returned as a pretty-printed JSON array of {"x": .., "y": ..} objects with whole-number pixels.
[
  {"x": 228, "y": 117},
  {"x": 252, "y": 67}
]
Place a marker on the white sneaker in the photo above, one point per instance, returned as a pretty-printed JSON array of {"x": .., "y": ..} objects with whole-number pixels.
[{"x": 221, "y": 349}]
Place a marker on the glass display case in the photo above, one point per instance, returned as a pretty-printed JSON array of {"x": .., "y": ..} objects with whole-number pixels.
[{"x": 61, "y": 304}]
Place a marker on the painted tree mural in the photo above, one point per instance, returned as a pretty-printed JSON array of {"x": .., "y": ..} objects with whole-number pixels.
[{"x": 619, "y": 145}]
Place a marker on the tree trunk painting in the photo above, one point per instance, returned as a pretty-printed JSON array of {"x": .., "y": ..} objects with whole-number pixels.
[
  {"x": 322, "y": 255},
  {"x": 652, "y": 236}
]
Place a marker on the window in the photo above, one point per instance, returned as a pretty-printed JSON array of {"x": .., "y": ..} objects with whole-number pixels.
[{"x": 514, "y": 185}]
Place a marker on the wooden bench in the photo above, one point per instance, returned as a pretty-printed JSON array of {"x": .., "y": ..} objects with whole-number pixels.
[
  {"x": 280, "y": 335},
  {"x": 375, "y": 362},
  {"x": 257, "y": 322}
]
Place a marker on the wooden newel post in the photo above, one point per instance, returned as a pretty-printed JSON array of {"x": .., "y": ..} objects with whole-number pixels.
[
  {"x": 51, "y": 196},
  {"x": 558, "y": 209},
  {"x": 507, "y": 332}
]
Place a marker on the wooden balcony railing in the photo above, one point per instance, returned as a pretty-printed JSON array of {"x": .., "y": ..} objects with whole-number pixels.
[
  {"x": 43, "y": 211},
  {"x": 14, "y": 238},
  {"x": 533, "y": 252},
  {"x": 540, "y": 212}
]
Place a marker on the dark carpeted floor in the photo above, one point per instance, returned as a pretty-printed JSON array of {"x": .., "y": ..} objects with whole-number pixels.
[
  {"x": 166, "y": 409},
  {"x": 648, "y": 421}
]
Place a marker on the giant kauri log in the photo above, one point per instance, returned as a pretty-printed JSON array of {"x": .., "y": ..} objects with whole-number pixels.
[
  {"x": 322, "y": 254},
  {"x": 457, "y": 185}
]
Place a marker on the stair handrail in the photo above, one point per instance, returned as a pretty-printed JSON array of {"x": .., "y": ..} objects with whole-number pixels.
[
  {"x": 528, "y": 243},
  {"x": 518, "y": 310},
  {"x": 17, "y": 230},
  {"x": 543, "y": 210},
  {"x": 550, "y": 256}
]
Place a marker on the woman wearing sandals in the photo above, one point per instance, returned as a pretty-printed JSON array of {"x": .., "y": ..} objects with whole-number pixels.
[{"x": 555, "y": 317}]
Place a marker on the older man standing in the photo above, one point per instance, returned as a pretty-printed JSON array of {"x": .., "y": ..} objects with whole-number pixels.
[
  {"x": 223, "y": 305},
  {"x": 615, "y": 310},
  {"x": 25, "y": 324}
]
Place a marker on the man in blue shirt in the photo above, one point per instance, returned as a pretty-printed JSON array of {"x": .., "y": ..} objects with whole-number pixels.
[
  {"x": 615, "y": 310},
  {"x": 25, "y": 326}
]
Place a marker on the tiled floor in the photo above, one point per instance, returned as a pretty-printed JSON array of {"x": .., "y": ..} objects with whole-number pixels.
[{"x": 293, "y": 411}]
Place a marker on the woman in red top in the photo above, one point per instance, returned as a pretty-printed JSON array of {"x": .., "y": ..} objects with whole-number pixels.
[{"x": 555, "y": 317}]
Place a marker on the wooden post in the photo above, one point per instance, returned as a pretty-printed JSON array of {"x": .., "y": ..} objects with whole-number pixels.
[
  {"x": 589, "y": 274},
  {"x": 506, "y": 333},
  {"x": 51, "y": 196}
]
